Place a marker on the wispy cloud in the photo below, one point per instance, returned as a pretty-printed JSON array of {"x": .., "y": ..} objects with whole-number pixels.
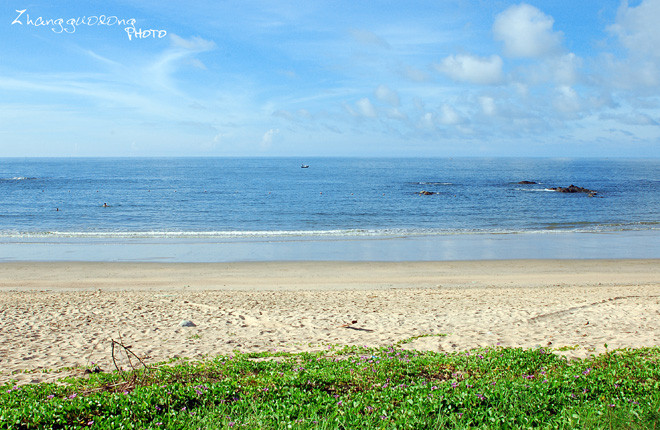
[
  {"x": 369, "y": 38},
  {"x": 415, "y": 75},
  {"x": 160, "y": 71}
]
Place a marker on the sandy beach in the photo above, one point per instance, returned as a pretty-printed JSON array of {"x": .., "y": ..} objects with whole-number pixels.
[{"x": 65, "y": 315}]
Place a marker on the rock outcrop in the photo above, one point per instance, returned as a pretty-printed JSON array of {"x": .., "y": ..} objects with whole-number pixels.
[{"x": 574, "y": 189}]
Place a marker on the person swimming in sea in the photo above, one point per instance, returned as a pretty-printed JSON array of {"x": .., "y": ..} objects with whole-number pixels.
[{"x": 105, "y": 205}]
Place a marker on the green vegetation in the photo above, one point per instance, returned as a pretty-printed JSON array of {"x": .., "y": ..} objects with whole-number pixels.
[{"x": 351, "y": 388}]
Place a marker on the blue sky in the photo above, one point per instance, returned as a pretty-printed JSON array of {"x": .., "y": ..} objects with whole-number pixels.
[{"x": 331, "y": 78}]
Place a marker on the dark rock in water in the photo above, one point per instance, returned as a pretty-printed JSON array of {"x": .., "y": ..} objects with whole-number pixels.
[
  {"x": 426, "y": 193},
  {"x": 573, "y": 189},
  {"x": 527, "y": 182}
]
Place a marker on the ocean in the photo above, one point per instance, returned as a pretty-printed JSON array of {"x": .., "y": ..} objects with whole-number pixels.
[{"x": 233, "y": 209}]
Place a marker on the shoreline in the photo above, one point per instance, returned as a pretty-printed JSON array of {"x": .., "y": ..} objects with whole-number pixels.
[
  {"x": 635, "y": 244},
  {"x": 63, "y": 315}
]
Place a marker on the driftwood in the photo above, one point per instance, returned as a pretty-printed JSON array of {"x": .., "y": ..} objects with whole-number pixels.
[
  {"x": 127, "y": 350},
  {"x": 131, "y": 377}
]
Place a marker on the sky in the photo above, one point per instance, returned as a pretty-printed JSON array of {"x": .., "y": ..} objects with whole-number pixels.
[{"x": 441, "y": 78}]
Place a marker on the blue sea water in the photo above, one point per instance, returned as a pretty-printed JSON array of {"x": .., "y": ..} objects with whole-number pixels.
[{"x": 179, "y": 201}]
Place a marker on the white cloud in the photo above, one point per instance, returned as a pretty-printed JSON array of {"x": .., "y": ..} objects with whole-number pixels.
[
  {"x": 387, "y": 95},
  {"x": 427, "y": 121},
  {"x": 566, "y": 99},
  {"x": 267, "y": 139},
  {"x": 526, "y": 32},
  {"x": 449, "y": 116},
  {"x": 631, "y": 73},
  {"x": 365, "y": 108},
  {"x": 637, "y": 30},
  {"x": 558, "y": 69},
  {"x": 637, "y": 27},
  {"x": 395, "y": 113},
  {"x": 565, "y": 68},
  {"x": 521, "y": 89},
  {"x": 488, "y": 106},
  {"x": 473, "y": 69}
]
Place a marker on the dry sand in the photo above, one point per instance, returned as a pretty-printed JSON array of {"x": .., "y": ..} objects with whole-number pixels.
[{"x": 63, "y": 315}]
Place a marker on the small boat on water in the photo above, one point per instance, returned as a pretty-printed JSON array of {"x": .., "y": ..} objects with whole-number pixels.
[{"x": 304, "y": 166}]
